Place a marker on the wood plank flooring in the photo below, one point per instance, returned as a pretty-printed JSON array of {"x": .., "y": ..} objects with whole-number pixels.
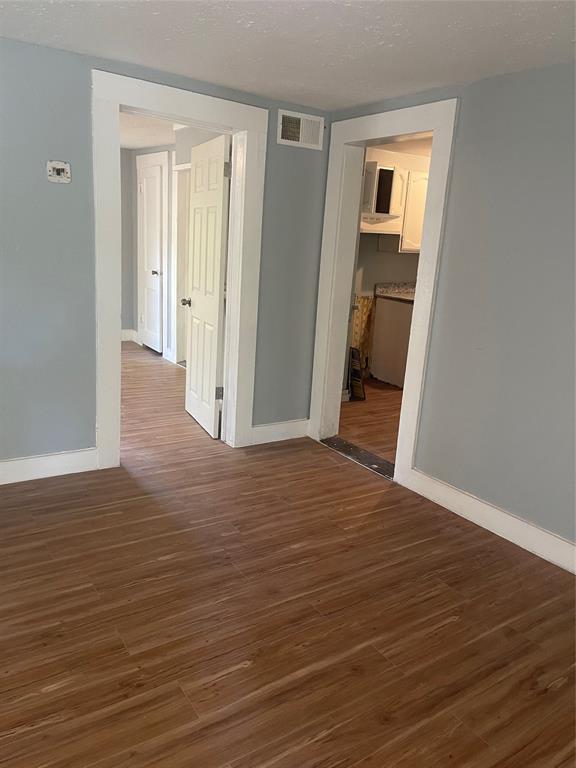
[
  {"x": 372, "y": 424},
  {"x": 278, "y": 606}
]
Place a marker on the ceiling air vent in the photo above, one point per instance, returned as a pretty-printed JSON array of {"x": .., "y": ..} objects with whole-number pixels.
[{"x": 300, "y": 130}]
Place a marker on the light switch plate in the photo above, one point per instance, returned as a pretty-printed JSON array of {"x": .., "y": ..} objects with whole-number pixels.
[{"x": 58, "y": 171}]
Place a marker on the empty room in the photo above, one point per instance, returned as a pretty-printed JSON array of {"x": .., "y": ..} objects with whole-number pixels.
[{"x": 287, "y": 411}]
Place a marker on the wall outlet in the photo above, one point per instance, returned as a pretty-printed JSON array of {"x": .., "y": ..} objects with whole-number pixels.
[{"x": 58, "y": 171}]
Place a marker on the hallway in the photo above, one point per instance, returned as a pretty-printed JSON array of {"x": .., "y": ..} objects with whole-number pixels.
[
  {"x": 372, "y": 424},
  {"x": 209, "y": 607}
]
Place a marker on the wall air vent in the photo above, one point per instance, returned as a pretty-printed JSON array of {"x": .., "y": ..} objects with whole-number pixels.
[{"x": 299, "y": 130}]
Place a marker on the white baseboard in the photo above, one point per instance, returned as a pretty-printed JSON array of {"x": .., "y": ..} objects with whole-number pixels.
[
  {"x": 280, "y": 430},
  {"x": 35, "y": 467},
  {"x": 527, "y": 535},
  {"x": 129, "y": 334}
]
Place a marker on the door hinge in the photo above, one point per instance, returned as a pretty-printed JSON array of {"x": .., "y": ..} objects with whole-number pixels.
[
  {"x": 219, "y": 393},
  {"x": 227, "y": 169}
]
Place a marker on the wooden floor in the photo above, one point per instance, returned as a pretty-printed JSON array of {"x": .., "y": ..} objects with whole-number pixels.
[
  {"x": 273, "y": 607},
  {"x": 372, "y": 424}
]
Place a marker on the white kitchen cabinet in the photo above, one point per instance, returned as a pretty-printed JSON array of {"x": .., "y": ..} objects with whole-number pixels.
[
  {"x": 411, "y": 239},
  {"x": 372, "y": 223},
  {"x": 390, "y": 340}
]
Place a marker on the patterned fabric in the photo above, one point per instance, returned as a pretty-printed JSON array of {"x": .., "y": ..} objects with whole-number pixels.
[{"x": 362, "y": 324}]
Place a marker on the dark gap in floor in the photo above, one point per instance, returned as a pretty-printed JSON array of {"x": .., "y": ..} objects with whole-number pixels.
[{"x": 360, "y": 456}]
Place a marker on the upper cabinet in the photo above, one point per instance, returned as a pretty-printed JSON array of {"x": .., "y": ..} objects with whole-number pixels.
[
  {"x": 383, "y": 198},
  {"x": 411, "y": 238},
  {"x": 394, "y": 195}
]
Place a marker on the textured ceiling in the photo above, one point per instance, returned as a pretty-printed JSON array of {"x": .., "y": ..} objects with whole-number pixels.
[
  {"x": 324, "y": 53},
  {"x": 139, "y": 131}
]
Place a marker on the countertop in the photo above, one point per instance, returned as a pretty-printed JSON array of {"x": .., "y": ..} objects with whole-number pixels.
[{"x": 399, "y": 291}]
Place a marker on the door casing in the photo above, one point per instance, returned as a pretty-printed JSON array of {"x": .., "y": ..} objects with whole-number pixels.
[
  {"x": 248, "y": 127},
  {"x": 341, "y": 223}
]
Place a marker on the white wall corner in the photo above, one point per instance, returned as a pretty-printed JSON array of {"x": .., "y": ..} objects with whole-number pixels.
[
  {"x": 49, "y": 465},
  {"x": 129, "y": 334},
  {"x": 529, "y": 536}
]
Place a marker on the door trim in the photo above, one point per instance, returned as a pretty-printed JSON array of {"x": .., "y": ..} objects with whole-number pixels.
[
  {"x": 175, "y": 356},
  {"x": 143, "y": 161},
  {"x": 248, "y": 127},
  {"x": 348, "y": 138}
]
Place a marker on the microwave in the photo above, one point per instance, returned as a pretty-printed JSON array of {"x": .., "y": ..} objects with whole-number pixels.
[{"x": 377, "y": 192}]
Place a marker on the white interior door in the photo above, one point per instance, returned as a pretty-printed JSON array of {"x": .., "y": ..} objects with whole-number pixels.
[
  {"x": 209, "y": 190},
  {"x": 414, "y": 213},
  {"x": 152, "y": 179}
]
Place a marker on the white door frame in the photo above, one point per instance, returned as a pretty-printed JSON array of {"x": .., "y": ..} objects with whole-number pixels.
[
  {"x": 248, "y": 127},
  {"x": 174, "y": 299},
  {"x": 341, "y": 222},
  {"x": 161, "y": 159}
]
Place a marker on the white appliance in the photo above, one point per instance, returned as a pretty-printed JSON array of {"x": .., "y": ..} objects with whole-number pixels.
[{"x": 390, "y": 340}]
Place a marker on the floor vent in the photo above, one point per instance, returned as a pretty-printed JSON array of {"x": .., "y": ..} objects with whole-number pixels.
[{"x": 300, "y": 130}]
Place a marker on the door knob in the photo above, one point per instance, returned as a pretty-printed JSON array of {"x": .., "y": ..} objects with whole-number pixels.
[
  {"x": 155, "y": 272},
  {"x": 186, "y": 302}
]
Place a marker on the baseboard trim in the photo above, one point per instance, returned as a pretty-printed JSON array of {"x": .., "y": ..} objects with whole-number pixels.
[
  {"x": 49, "y": 465},
  {"x": 129, "y": 334},
  {"x": 524, "y": 534},
  {"x": 280, "y": 430}
]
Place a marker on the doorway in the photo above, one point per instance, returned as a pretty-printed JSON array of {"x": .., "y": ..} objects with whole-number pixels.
[
  {"x": 391, "y": 217},
  {"x": 178, "y": 307},
  {"x": 245, "y": 128},
  {"x": 353, "y": 143}
]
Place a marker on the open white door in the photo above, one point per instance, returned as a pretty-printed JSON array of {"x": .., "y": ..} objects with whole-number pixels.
[
  {"x": 152, "y": 179},
  {"x": 209, "y": 190}
]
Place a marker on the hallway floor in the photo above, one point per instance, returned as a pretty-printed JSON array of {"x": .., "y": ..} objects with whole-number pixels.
[
  {"x": 270, "y": 607},
  {"x": 372, "y": 424}
]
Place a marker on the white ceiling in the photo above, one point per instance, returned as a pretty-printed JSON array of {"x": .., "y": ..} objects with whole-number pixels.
[
  {"x": 324, "y": 53},
  {"x": 140, "y": 131},
  {"x": 409, "y": 143}
]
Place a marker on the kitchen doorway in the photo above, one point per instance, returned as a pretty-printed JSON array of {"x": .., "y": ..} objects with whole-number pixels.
[
  {"x": 377, "y": 282},
  {"x": 394, "y": 187}
]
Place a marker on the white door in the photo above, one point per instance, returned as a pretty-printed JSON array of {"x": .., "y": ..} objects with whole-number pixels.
[
  {"x": 414, "y": 212},
  {"x": 206, "y": 274},
  {"x": 152, "y": 214}
]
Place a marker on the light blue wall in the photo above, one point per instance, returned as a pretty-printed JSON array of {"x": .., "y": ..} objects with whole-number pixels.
[
  {"x": 129, "y": 239},
  {"x": 47, "y": 251},
  {"x": 498, "y": 408},
  {"x": 47, "y": 346},
  {"x": 293, "y": 218}
]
